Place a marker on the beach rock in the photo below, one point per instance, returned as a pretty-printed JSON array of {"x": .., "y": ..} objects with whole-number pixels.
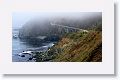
[
  {"x": 30, "y": 58},
  {"x": 22, "y": 55}
]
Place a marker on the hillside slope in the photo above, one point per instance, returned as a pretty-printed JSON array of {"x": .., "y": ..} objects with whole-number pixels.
[{"x": 75, "y": 47}]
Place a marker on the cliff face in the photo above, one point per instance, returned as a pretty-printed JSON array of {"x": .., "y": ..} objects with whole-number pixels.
[{"x": 75, "y": 47}]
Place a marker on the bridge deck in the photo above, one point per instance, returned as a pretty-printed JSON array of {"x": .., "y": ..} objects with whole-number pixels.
[{"x": 68, "y": 27}]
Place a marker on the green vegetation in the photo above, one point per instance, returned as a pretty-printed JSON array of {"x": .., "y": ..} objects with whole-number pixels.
[{"x": 75, "y": 47}]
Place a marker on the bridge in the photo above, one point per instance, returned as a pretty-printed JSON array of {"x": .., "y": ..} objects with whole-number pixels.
[{"x": 67, "y": 28}]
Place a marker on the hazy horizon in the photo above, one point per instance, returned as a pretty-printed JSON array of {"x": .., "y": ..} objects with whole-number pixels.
[{"x": 20, "y": 18}]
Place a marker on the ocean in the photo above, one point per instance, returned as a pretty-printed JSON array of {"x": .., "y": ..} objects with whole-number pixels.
[{"x": 19, "y": 46}]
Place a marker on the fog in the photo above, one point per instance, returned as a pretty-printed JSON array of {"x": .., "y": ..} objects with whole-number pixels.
[{"x": 20, "y": 18}]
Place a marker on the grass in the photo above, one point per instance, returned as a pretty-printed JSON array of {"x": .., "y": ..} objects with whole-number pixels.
[
  {"x": 80, "y": 47},
  {"x": 75, "y": 47}
]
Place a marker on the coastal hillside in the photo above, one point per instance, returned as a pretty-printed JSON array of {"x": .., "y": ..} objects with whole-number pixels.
[
  {"x": 75, "y": 47},
  {"x": 81, "y": 47}
]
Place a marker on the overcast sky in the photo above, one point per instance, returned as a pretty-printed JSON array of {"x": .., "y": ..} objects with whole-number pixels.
[{"x": 20, "y": 18}]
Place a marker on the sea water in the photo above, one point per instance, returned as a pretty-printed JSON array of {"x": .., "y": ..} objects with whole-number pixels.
[{"x": 18, "y": 46}]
